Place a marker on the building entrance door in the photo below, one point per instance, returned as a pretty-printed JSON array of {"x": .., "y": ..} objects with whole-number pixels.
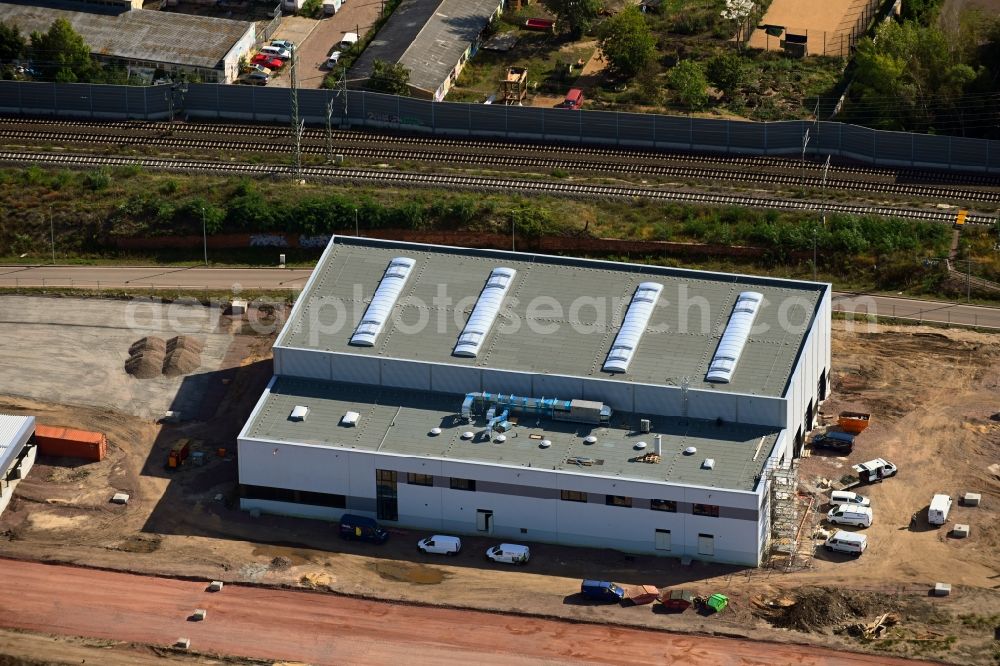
[
  {"x": 706, "y": 544},
  {"x": 662, "y": 539},
  {"x": 484, "y": 520}
]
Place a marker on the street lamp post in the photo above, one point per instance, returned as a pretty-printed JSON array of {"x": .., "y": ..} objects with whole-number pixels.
[
  {"x": 52, "y": 236},
  {"x": 356, "y": 231},
  {"x": 204, "y": 234}
]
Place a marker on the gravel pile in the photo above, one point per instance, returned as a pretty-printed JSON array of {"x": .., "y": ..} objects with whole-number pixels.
[{"x": 152, "y": 357}]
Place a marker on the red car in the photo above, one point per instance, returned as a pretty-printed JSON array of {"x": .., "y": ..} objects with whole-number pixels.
[{"x": 267, "y": 61}]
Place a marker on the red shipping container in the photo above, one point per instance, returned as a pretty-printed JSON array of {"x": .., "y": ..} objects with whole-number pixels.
[{"x": 54, "y": 441}]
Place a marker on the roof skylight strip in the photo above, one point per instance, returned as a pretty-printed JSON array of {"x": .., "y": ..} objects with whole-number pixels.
[
  {"x": 485, "y": 313},
  {"x": 734, "y": 338},
  {"x": 636, "y": 319},
  {"x": 386, "y": 295}
]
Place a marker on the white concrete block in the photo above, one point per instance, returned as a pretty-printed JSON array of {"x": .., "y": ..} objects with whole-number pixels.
[
  {"x": 120, "y": 498},
  {"x": 960, "y": 531},
  {"x": 942, "y": 589},
  {"x": 182, "y": 643},
  {"x": 215, "y": 586},
  {"x": 971, "y": 499},
  {"x": 199, "y": 614}
]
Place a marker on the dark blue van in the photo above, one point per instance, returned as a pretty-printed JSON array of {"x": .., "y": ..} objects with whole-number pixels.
[
  {"x": 602, "y": 590},
  {"x": 834, "y": 440},
  {"x": 361, "y": 528}
]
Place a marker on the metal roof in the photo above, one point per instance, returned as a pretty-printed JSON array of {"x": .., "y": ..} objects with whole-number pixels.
[
  {"x": 679, "y": 342},
  {"x": 14, "y": 432},
  {"x": 154, "y": 36},
  {"x": 427, "y": 37},
  {"x": 399, "y": 422}
]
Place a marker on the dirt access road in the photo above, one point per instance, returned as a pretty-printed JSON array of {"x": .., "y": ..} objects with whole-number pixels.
[{"x": 324, "y": 629}]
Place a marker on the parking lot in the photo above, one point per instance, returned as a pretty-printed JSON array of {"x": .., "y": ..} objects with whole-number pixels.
[{"x": 354, "y": 16}]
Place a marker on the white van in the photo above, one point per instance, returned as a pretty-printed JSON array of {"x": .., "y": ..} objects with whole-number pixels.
[
  {"x": 838, "y": 497},
  {"x": 847, "y": 514},
  {"x": 509, "y": 553},
  {"x": 937, "y": 512},
  {"x": 276, "y": 52},
  {"x": 440, "y": 544},
  {"x": 348, "y": 40},
  {"x": 847, "y": 542}
]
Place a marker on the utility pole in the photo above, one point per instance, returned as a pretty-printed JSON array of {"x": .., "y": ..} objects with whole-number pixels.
[
  {"x": 357, "y": 232},
  {"x": 805, "y": 142},
  {"x": 296, "y": 123},
  {"x": 204, "y": 234},
  {"x": 52, "y": 235},
  {"x": 329, "y": 130},
  {"x": 512, "y": 227}
]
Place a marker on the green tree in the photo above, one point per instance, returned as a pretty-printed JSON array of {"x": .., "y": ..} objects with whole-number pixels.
[
  {"x": 727, "y": 72},
  {"x": 579, "y": 15},
  {"x": 61, "y": 54},
  {"x": 312, "y": 9},
  {"x": 391, "y": 78},
  {"x": 909, "y": 78},
  {"x": 12, "y": 43},
  {"x": 689, "y": 84},
  {"x": 627, "y": 43}
]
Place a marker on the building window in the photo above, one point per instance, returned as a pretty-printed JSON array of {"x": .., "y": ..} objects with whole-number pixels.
[
  {"x": 463, "y": 484},
  {"x": 386, "y": 498},
  {"x": 663, "y": 505},
  {"x": 293, "y": 496},
  {"x": 420, "y": 479},
  {"x": 706, "y": 510},
  {"x": 574, "y": 496},
  {"x": 618, "y": 500}
]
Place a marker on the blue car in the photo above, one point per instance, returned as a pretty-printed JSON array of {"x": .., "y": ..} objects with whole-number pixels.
[{"x": 600, "y": 590}]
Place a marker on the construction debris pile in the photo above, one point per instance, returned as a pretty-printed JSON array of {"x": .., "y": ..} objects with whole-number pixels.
[
  {"x": 818, "y": 609},
  {"x": 152, "y": 357}
]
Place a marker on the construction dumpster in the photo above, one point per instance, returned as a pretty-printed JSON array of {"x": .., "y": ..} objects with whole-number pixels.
[
  {"x": 70, "y": 443},
  {"x": 853, "y": 422},
  {"x": 717, "y": 602},
  {"x": 678, "y": 600}
]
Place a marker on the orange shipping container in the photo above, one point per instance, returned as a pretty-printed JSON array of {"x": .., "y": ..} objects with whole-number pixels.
[{"x": 54, "y": 441}]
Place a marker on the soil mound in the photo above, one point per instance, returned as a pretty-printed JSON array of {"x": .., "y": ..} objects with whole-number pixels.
[
  {"x": 180, "y": 362},
  {"x": 145, "y": 359},
  {"x": 183, "y": 342},
  {"x": 818, "y": 609}
]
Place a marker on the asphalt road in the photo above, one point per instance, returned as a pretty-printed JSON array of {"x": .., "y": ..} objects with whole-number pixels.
[
  {"x": 314, "y": 628},
  {"x": 225, "y": 279}
]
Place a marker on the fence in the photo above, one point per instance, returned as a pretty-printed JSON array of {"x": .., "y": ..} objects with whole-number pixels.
[
  {"x": 596, "y": 128},
  {"x": 265, "y": 31}
]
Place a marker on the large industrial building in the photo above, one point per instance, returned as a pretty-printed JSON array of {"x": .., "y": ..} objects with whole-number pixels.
[
  {"x": 537, "y": 398},
  {"x": 17, "y": 453}
]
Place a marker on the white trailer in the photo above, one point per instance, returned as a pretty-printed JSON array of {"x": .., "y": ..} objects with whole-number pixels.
[{"x": 937, "y": 512}]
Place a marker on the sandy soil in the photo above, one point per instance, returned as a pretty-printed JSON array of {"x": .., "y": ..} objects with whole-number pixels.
[
  {"x": 826, "y": 22},
  {"x": 931, "y": 392},
  {"x": 323, "y": 629}
]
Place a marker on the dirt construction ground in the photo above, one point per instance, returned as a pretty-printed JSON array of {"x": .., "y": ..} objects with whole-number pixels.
[{"x": 932, "y": 396}]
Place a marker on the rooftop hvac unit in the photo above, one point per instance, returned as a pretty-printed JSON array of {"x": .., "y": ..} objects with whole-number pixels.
[
  {"x": 644, "y": 425},
  {"x": 708, "y": 464},
  {"x": 299, "y": 413},
  {"x": 350, "y": 419}
]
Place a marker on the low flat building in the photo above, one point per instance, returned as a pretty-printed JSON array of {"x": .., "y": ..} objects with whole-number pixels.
[
  {"x": 433, "y": 39},
  {"x": 572, "y": 401},
  {"x": 145, "y": 40},
  {"x": 17, "y": 453}
]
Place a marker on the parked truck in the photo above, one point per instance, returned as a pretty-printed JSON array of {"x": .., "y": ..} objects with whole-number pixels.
[{"x": 331, "y": 7}]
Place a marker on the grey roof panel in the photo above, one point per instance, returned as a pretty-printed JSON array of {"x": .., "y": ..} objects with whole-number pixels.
[
  {"x": 399, "y": 422},
  {"x": 427, "y": 37},
  {"x": 593, "y": 296},
  {"x": 161, "y": 37}
]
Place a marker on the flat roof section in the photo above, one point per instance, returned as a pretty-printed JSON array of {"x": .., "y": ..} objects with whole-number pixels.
[
  {"x": 427, "y": 37},
  {"x": 399, "y": 422},
  {"x": 181, "y": 39},
  {"x": 560, "y": 316}
]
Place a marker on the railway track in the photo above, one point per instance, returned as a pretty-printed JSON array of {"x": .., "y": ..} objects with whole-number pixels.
[
  {"x": 485, "y": 183},
  {"x": 374, "y": 145}
]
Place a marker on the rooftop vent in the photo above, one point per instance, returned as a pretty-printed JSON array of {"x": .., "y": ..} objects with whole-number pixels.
[
  {"x": 545, "y": 443},
  {"x": 299, "y": 413},
  {"x": 386, "y": 295},
  {"x": 500, "y": 439},
  {"x": 640, "y": 445},
  {"x": 734, "y": 338},
  {"x": 485, "y": 312},
  {"x": 350, "y": 419},
  {"x": 708, "y": 464},
  {"x": 634, "y": 325},
  {"x": 589, "y": 439},
  {"x": 434, "y": 432},
  {"x": 690, "y": 451},
  {"x": 468, "y": 435}
]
